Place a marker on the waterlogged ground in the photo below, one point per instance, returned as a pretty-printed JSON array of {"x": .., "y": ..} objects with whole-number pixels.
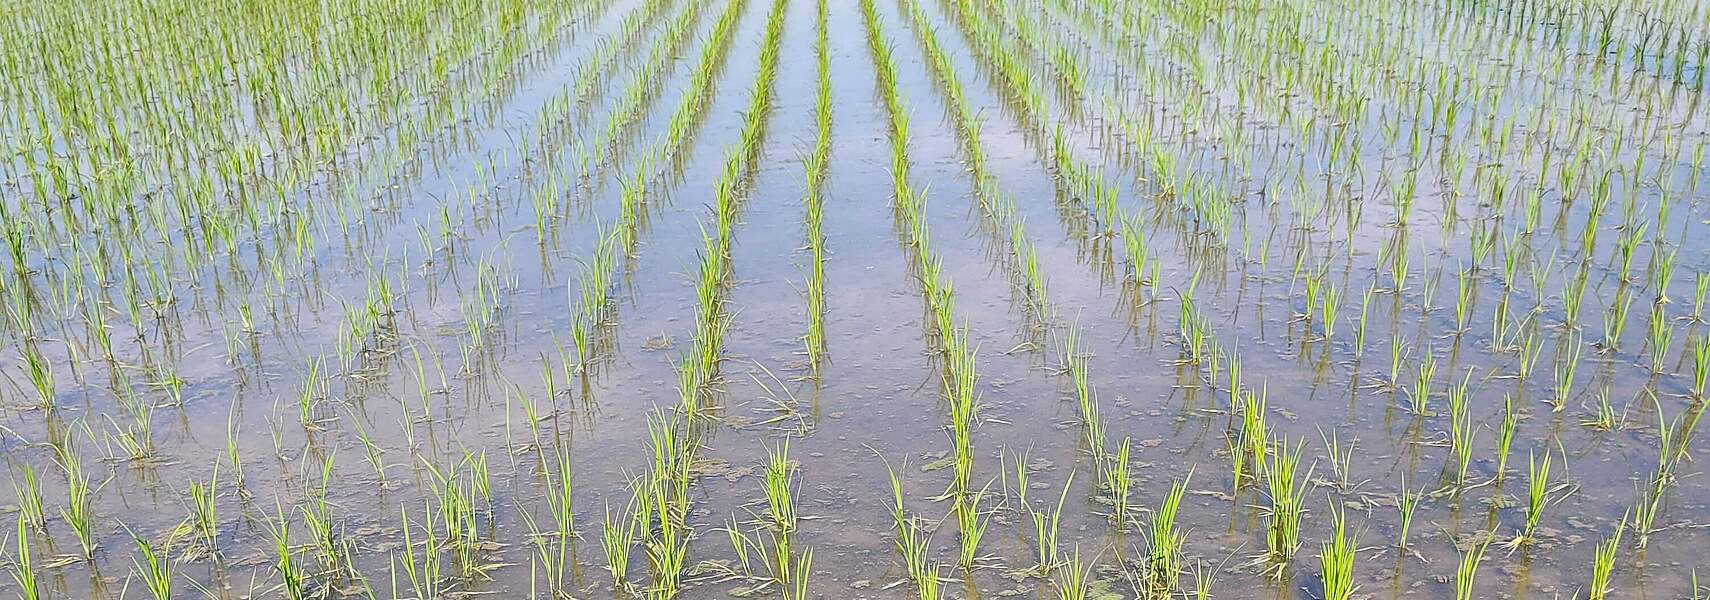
[{"x": 515, "y": 299}]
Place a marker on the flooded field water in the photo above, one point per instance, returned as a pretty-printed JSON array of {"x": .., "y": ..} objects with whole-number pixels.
[{"x": 854, "y": 299}]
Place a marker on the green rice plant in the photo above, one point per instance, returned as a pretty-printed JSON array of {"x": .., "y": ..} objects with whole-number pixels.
[
  {"x": 1075, "y": 580},
  {"x": 926, "y": 582},
  {"x": 911, "y": 542},
  {"x": 1461, "y": 430},
  {"x": 1603, "y": 563},
  {"x": 544, "y": 559},
  {"x": 799, "y": 588},
  {"x": 1407, "y": 502},
  {"x": 971, "y": 522},
  {"x": 1336, "y": 558},
  {"x": 1118, "y": 480},
  {"x": 1045, "y": 525},
  {"x": 1360, "y": 329},
  {"x": 780, "y": 485},
  {"x": 1505, "y": 436},
  {"x": 1646, "y": 508},
  {"x": 155, "y": 568},
  {"x": 40, "y": 373},
  {"x": 1419, "y": 398},
  {"x": 1282, "y": 524},
  {"x": 1397, "y": 353},
  {"x": 1164, "y": 557},
  {"x": 204, "y": 515},
  {"x": 1255, "y": 433},
  {"x": 1565, "y": 368},
  {"x": 617, "y": 537},
  {"x": 1463, "y": 301},
  {"x": 29, "y": 497},
  {"x": 78, "y": 512},
  {"x": 1341, "y": 459},
  {"x": 1700, "y": 367},
  {"x": 558, "y": 497},
  {"x": 23, "y": 566},
  {"x": 1467, "y": 571},
  {"x": 1537, "y": 494},
  {"x": 1660, "y": 339},
  {"x": 1615, "y": 319},
  {"x": 1603, "y": 415},
  {"x": 422, "y": 567}
]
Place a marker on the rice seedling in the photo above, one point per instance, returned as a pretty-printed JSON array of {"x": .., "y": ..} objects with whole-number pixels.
[
  {"x": 28, "y": 491},
  {"x": 1285, "y": 510},
  {"x": 1118, "y": 481},
  {"x": 78, "y": 512},
  {"x": 1074, "y": 581},
  {"x": 1603, "y": 564},
  {"x": 1467, "y": 571},
  {"x": 1407, "y": 503},
  {"x": 1164, "y": 560},
  {"x": 1336, "y": 558},
  {"x": 1419, "y": 395},
  {"x": 23, "y": 566},
  {"x": 1045, "y": 531},
  {"x": 1505, "y": 436},
  {"x": 1461, "y": 431},
  {"x": 204, "y": 509},
  {"x": 1537, "y": 496},
  {"x": 154, "y": 567}
]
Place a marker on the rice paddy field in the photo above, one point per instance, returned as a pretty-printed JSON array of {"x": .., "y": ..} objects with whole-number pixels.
[{"x": 854, "y": 299}]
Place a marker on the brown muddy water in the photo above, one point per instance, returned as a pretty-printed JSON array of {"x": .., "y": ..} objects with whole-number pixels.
[{"x": 854, "y": 299}]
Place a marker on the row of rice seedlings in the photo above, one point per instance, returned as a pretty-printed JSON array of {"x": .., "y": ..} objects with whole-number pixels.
[
  {"x": 958, "y": 364},
  {"x": 698, "y": 369},
  {"x": 814, "y": 168},
  {"x": 958, "y": 357},
  {"x": 996, "y": 208}
]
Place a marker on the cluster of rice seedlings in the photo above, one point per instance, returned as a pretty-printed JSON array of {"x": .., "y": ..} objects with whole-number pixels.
[
  {"x": 27, "y": 489},
  {"x": 204, "y": 509},
  {"x": 1074, "y": 580},
  {"x": 1407, "y": 503},
  {"x": 1538, "y": 497}
]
